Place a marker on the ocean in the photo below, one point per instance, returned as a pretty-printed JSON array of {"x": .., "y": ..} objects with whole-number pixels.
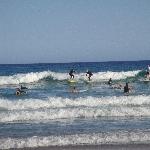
[{"x": 52, "y": 113}]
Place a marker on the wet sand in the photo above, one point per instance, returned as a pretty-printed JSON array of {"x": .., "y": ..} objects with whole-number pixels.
[{"x": 94, "y": 147}]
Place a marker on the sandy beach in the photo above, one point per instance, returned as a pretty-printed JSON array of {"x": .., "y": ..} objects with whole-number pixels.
[{"x": 94, "y": 147}]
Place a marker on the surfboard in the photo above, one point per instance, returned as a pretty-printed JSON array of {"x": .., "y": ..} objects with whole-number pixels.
[
  {"x": 72, "y": 81},
  {"x": 145, "y": 80}
]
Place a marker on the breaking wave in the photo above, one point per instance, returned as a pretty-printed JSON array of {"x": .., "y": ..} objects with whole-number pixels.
[
  {"x": 65, "y": 108},
  {"x": 119, "y": 137},
  {"x": 36, "y": 76}
]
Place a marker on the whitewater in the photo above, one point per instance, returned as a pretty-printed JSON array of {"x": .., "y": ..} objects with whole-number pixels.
[
  {"x": 36, "y": 76},
  {"x": 51, "y": 113}
]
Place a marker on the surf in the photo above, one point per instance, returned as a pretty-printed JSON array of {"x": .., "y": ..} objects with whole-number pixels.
[
  {"x": 119, "y": 137},
  {"x": 65, "y": 108},
  {"x": 32, "y": 77}
]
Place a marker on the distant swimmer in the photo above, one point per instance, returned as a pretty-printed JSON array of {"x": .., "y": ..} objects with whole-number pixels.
[
  {"x": 71, "y": 74},
  {"x": 110, "y": 82},
  {"x": 74, "y": 90},
  {"x": 90, "y": 74}
]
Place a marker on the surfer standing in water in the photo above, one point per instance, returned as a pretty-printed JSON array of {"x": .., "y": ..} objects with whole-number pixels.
[
  {"x": 110, "y": 82},
  {"x": 71, "y": 74},
  {"x": 127, "y": 89},
  {"x": 90, "y": 74},
  {"x": 148, "y": 72}
]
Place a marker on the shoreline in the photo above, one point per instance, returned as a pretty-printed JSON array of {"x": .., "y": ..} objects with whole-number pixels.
[{"x": 91, "y": 147}]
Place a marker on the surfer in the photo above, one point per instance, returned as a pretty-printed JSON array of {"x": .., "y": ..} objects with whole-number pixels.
[
  {"x": 110, "y": 82},
  {"x": 126, "y": 88},
  {"x": 19, "y": 91},
  {"x": 90, "y": 74},
  {"x": 71, "y": 74},
  {"x": 148, "y": 72},
  {"x": 148, "y": 68}
]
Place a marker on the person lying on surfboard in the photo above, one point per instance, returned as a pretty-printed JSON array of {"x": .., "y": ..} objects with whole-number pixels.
[
  {"x": 90, "y": 74},
  {"x": 71, "y": 74},
  {"x": 19, "y": 91}
]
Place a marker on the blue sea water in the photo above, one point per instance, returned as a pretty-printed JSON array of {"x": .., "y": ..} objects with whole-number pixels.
[{"x": 53, "y": 113}]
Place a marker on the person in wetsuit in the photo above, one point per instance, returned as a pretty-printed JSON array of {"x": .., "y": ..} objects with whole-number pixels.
[
  {"x": 110, "y": 82},
  {"x": 19, "y": 91},
  {"x": 148, "y": 72},
  {"x": 126, "y": 88},
  {"x": 71, "y": 74},
  {"x": 90, "y": 74}
]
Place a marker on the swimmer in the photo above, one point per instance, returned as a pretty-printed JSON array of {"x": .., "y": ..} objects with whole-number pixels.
[{"x": 74, "y": 90}]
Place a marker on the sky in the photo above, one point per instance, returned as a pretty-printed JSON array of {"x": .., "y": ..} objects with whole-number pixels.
[{"x": 58, "y": 31}]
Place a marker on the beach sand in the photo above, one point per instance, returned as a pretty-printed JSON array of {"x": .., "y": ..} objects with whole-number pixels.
[{"x": 94, "y": 147}]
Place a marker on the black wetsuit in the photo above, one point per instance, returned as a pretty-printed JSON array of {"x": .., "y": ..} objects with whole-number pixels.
[
  {"x": 126, "y": 88},
  {"x": 110, "y": 82},
  {"x": 71, "y": 74},
  {"x": 90, "y": 74},
  {"x": 19, "y": 91}
]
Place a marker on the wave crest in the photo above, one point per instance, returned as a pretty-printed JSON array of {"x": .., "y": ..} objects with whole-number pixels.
[
  {"x": 36, "y": 76},
  {"x": 59, "y": 108}
]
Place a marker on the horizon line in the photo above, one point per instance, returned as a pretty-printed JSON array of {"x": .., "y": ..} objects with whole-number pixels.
[{"x": 72, "y": 62}]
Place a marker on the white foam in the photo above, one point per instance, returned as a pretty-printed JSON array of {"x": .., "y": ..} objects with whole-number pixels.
[
  {"x": 58, "y": 102},
  {"x": 120, "y": 137},
  {"x": 36, "y": 76},
  {"x": 105, "y": 76},
  {"x": 71, "y": 113},
  {"x": 23, "y": 78},
  {"x": 59, "y": 108}
]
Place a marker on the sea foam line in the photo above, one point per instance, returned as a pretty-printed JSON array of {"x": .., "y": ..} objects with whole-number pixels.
[
  {"x": 41, "y": 115},
  {"x": 120, "y": 137},
  {"x": 59, "y": 102}
]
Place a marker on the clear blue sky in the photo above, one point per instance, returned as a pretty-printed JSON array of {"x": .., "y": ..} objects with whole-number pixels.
[{"x": 33, "y": 31}]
